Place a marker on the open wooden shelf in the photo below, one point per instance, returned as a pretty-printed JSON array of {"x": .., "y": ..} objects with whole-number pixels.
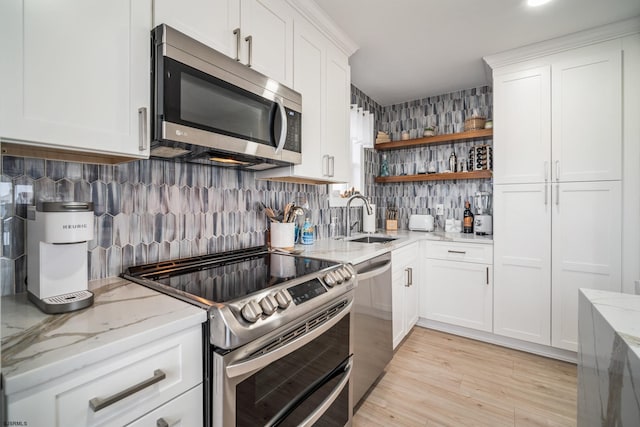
[
  {"x": 435, "y": 176},
  {"x": 436, "y": 140}
]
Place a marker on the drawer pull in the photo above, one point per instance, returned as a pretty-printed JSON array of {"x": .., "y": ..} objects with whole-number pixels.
[
  {"x": 487, "y": 275},
  {"x": 456, "y": 252},
  {"x": 163, "y": 423},
  {"x": 97, "y": 403}
]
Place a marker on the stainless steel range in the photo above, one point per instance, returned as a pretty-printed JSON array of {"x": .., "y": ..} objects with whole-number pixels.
[{"x": 280, "y": 347}]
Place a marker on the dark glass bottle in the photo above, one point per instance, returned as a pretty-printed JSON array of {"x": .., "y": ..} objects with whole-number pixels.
[{"x": 467, "y": 222}]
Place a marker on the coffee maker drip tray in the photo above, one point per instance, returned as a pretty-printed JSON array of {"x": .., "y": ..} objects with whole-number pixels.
[{"x": 63, "y": 303}]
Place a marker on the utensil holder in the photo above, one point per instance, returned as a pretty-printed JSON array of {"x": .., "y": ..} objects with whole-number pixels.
[{"x": 283, "y": 235}]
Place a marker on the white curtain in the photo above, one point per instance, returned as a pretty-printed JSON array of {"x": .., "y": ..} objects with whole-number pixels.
[{"x": 361, "y": 127}]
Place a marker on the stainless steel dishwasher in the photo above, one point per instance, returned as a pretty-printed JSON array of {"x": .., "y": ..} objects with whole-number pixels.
[{"x": 373, "y": 335}]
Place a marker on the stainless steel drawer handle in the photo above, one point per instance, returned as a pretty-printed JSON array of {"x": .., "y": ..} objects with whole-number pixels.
[
  {"x": 249, "y": 40},
  {"x": 98, "y": 403},
  {"x": 457, "y": 252},
  {"x": 161, "y": 422}
]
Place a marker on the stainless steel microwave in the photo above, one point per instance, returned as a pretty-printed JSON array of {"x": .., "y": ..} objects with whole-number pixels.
[{"x": 209, "y": 108}]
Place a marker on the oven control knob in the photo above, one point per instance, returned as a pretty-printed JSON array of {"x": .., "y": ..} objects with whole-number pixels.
[
  {"x": 346, "y": 274},
  {"x": 283, "y": 298},
  {"x": 329, "y": 280},
  {"x": 338, "y": 276},
  {"x": 269, "y": 305},
  {"x": 251, "y": 311}
]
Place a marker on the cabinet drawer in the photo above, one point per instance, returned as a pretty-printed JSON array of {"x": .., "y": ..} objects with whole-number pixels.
[
  {"x": 184, "y": 410},
  {"x": 466, "y": 252},
  {"x": 148, "y": 376}
]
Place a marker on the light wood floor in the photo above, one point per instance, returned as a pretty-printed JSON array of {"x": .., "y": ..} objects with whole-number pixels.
[{"x": 437, "y": 379}]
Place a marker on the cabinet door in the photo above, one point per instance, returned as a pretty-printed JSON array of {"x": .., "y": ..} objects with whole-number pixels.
[
  {"x": 586, "y": 250},
  {"x": 587, "y": 114},
  {"x": 336, "y": 143},
  {"x": 522, "y": 126},
  {"x": 75, "y": 74},
  {"x": 269, "y": 23},
  {"x": 211, "y": 22},
  {"x": 522, "y": 254},
  {"x": 459, "y": 293},
  {"x": 309, "y": 60},
  {"x": 411, "y": 296}
]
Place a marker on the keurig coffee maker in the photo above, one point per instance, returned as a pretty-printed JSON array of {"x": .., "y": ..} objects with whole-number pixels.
[{"x": 57, "y": 235}]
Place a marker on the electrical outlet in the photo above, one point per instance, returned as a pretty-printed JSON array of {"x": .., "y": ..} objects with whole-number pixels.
[{"x": 440, "y": 209}]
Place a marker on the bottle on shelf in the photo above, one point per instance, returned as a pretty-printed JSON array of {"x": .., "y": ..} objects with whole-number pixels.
[
  {"x": 384, "y": 166},
  {"x": 453, "y": 162},
  {"x": 333, "y": 227},
  {"x": 467, "y": 221}
]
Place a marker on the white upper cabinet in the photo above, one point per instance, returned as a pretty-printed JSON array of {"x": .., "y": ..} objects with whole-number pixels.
[
  {"x": 267, "y": 34},
  {"x": 75, "y": 75},
  {"x": 211, "y": 22},
  {"x": 587, "y": 114},
  {"x": 522, "y": 133},
  {"x": 323, "y": 76},
  {"x": 258, "y": 33},
  {"x": 560, "y": 121}
]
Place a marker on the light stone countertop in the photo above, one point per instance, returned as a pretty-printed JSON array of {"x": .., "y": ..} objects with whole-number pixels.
[
  {"x": 37, "y": 347},
  {"x": 354, "y": 252}
]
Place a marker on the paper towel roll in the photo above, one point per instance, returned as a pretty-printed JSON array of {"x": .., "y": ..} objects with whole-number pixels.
[{"x": 369, "y": 221}]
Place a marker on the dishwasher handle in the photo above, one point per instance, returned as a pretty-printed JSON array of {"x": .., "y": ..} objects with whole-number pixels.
[{"x": 374, "y": 269}]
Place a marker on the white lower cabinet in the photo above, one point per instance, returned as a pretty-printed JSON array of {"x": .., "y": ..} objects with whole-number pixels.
[
  {"x": 458, "y": 284},
  {"x": 549, "y": 242},
  {"x": 120, "y": 389},
  {"x": 405, "y": 279}
]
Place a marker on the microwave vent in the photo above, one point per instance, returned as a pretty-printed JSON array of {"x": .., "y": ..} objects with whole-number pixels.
[{"x": 168, "y": 152}]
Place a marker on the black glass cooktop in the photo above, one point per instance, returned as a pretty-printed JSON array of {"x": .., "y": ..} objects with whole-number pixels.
[{"x": 226, "y": 276}]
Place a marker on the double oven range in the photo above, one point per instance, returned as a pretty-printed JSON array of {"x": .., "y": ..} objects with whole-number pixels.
[{"x": 278, "y": 350}]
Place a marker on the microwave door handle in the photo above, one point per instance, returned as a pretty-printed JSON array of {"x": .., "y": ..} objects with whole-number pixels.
[
  {"x": 343, "y": 369},
  {"x": 283, "y": 129}
]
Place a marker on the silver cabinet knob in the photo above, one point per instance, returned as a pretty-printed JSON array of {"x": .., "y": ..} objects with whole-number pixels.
[
  {"x": 251, "y": 311},
  {"x": 283, "y": 298},
  {"x": 269, "y": 305}
]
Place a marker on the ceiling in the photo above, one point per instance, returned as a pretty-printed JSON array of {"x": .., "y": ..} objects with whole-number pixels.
[{"x": 411, "y": 49}]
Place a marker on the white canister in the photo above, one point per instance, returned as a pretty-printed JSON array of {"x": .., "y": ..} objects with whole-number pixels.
[
  {"x": 369, "y": 221},
  {"x": 283, "y": 234}
]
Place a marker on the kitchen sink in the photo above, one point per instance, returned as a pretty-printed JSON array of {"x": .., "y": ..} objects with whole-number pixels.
[{"x": 373, "y": 239}]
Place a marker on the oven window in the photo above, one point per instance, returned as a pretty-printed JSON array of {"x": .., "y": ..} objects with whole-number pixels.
[{"x": 261, "y": 396}]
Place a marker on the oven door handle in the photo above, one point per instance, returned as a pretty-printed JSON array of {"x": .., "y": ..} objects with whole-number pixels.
[
  {"x": 343, "y": 369},
  {"x": 255, "y": 364}
]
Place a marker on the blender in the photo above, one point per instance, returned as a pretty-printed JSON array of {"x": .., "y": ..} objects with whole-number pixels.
[{"x": 483, "y": 222}]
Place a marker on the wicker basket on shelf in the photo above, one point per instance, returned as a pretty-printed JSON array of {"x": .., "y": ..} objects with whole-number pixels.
[{"x": 474, "y": 123}]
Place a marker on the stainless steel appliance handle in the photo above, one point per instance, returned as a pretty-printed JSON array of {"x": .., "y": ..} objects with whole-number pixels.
[
  {"x": 236, "y": 32},
  {"x": 249, "y": 40},
  {"x": 98, "y": 403},
  {"x": 326, "y": 403},
  {"x": 142, "y": 128},
  {"x": 375, "y": 270},
  {"x": 255, "y": 364},
  {"x": 283, "y": 130},
  {"x": 161, "y": 422}
]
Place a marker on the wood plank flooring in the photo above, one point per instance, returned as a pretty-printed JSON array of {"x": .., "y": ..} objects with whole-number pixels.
[{"x": 437, "y": 379}]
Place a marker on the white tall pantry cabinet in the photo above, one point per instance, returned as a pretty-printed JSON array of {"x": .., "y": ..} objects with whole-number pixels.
[{"x": 557, "y": 195}]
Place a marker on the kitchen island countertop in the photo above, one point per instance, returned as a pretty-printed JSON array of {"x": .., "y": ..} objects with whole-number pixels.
[{"x": 37, "y": 347}]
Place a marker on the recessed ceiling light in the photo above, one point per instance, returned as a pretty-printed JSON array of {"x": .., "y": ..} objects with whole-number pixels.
[{"x": 535, "y": 3}]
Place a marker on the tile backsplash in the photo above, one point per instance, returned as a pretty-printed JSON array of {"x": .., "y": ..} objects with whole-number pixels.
[{"x": 147, "y": 210}]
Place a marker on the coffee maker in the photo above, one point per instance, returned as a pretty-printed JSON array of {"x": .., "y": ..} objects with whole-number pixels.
[
  {"x": 483, "y": 222},
  {"x": 57, "y": 265}
]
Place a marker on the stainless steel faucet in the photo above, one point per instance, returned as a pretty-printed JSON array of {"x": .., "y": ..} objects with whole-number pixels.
[{"x": 348, "y": 215}]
